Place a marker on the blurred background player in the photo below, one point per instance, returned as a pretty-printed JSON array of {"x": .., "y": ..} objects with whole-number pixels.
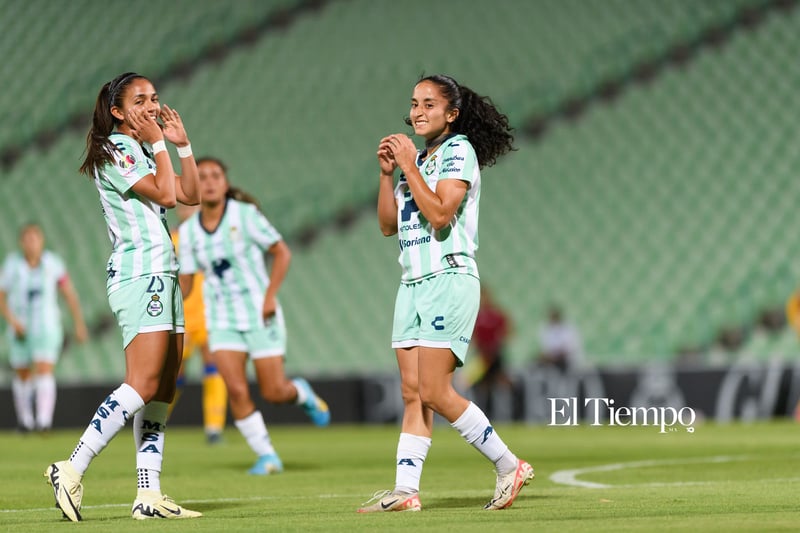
[
  {"x": 30, "y": 281},
  {"x": 215, "y": 395},
  {"x": 486, "y": 373},
  {"x": 559, "y": 342},
  {"x": 793, "y": 319},
  {"x": 227, "y": 240}
]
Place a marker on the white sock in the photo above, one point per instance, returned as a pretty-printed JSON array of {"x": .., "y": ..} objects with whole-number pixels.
[
  {"x": 478, "y": 431},
  {"x": 301, "y": 393},
  {"x": 45, "y": 386},
  {"x": 254, "y": 431},
  {"x": 22, "y": 391},
  {"x": 411, "y": 453},
  {"x": 149, "y": 425},
  {"x": 108, "y": 420}
]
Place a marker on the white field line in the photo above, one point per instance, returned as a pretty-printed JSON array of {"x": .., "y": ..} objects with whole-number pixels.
[{"x": 570, "y": 477}]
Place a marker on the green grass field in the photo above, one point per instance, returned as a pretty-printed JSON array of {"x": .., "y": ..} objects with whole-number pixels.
[{"x": 719, "y": 478}]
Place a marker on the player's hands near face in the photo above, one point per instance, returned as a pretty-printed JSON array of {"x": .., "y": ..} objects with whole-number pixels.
[
  {"x": 386, "y": 158},
  {"x": 143, "y": 126},
  {"x": 173, "y": 128},
  {"x": 403, "y": 149}
]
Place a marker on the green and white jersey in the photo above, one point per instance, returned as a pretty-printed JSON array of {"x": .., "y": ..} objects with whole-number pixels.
[
  {"x": 425, "y": 252},
  {"x": 32, "y": 292},
  {"x": 137, "y": 226},
  {"x": 232, "y": 261}
]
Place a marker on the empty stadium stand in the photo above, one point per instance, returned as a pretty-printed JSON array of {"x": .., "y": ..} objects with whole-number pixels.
[{"x": 658, "y": 218}]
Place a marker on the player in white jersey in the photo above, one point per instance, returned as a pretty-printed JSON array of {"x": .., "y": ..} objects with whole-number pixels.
[
  {"x": 195, "y": 338},
  {"x": 226, "y": 241},
  {"x": 29, "y": 285},
  {"x": 127, "y": 157},
  {"x": 434, "y": 211}
]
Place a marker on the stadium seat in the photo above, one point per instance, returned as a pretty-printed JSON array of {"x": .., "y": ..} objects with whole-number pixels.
[
  {"x": 652, "y": 220},
  {"x": 56, "y": 56}
]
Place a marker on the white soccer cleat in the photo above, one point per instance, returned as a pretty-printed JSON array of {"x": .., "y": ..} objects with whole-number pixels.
[
  {"x": 386, "y": 501},
  {"x": 152, "y": 504},
  {"x": 509, "y": 486},
  {"x": 67, "y": 488}
]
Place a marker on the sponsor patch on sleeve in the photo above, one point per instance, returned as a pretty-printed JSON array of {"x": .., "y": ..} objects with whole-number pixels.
[{"x": 126, "y": 164}]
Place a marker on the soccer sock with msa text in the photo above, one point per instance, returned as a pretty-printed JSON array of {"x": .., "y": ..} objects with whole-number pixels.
[
  {"x": 107, "y": 421},
  {"x": 149, "y": 425},
  {"x": 478, "y": 431},
  {"x": 411, "y": 453},
  {"x": 254, "y": 431}
]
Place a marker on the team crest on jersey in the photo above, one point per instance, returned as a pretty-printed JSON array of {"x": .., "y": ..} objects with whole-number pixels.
[
  {"x": 431, "y": 166},
  {"x": 154, "y": 306},
  {"x": 235, "y": 236}
]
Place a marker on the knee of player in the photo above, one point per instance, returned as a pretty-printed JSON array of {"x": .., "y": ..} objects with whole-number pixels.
[
  {"x": 146, "y": 389},
  {"x": 274, "y": 394},
  {"x": 410, "y": 394},
  {"x": 430, "y": 398},
  {"x": 238, "y": 390}
]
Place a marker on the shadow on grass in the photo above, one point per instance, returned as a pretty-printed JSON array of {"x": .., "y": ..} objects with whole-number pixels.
[
  {"x": 291, "y": 466},
  {"x": 470, "y": 501},
  {"x": 294, "y": 466}
]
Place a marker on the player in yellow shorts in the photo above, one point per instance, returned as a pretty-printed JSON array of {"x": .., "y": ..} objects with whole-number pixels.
[{"x": 215, "y": 395}]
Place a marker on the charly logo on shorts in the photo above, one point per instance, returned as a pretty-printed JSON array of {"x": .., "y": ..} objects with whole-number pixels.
[{"x": 154, "y": 306}]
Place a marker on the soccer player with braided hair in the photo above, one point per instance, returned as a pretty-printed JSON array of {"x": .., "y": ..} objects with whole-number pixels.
[{"x": 433, "y": 209}]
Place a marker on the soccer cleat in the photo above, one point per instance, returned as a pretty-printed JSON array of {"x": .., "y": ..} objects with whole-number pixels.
[
  {"x": 509, "y": 485},
  {"x": 266, "y": 465},
  {"x": 152, "y": 504},
  {"x": 386, "y": 501},
  {"x": 214, "y": 438},
  {"x": 67, "y": 489},
  {"x": 314, "y": 406}
]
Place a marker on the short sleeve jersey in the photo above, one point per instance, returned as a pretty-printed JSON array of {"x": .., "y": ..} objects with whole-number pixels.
[
  {"x": 31, "y": 292},
  {"x": 232, "y": 260},
  {"x": 137, "y": 226},
  {"x": 424, "y": 251}
]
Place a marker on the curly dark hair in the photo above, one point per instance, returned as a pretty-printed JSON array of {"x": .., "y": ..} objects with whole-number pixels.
[{"x": 486, "y": 128}]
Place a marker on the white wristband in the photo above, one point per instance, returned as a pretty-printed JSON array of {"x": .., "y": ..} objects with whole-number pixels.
[
  {"x": 159, "y": 146},
  {"x": 184, "y": 151}
]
